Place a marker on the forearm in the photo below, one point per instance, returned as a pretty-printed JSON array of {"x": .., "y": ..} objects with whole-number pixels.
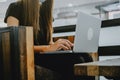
[
  {"x": 58, "y": 45},
  {"x": 43, "y": 48}
]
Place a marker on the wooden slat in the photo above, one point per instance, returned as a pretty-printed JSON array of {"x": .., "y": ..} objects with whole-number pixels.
[
  {"x": 5, "y": 58},
  {"x": 29, "y": 53},
  {"x": 22, "y": 47},
  {"x": 109, "y": 67},
  {"x": 16, "y": 53},
  {"x": 26, "y": 53},
  {"x": 1, "y": 58},
  {"x": 6, "y": 55}
]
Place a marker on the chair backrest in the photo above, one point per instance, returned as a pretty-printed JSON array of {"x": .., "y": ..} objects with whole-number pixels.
[{"x": 16, "y": 53}]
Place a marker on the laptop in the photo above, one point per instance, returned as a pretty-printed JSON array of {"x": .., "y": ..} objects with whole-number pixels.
[{"x": 86, "y": 34}]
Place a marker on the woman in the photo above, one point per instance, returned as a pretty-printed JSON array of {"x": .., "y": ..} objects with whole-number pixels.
[{"x": 32, "y": 13}]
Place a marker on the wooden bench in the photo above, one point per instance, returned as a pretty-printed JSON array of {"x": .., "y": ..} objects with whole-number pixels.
[
  {"x": 16, "y": 53},
  {"x": 110, "y": 68}
]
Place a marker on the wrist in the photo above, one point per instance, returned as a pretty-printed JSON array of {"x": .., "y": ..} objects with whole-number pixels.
[
  {"x": 46, "y": 48},
  {"x": 41, "y": 48}
]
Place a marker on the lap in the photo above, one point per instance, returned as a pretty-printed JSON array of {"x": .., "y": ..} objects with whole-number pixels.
[
  {"x": 61, "y": 63},
  {"x": 61, "y": 60}
]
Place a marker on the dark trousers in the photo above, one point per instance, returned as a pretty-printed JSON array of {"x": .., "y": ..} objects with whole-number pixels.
[{"x": 63, "y": 64}]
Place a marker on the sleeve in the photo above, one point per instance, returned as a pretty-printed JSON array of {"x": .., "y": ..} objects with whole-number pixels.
[{"x": 12, "y": 11}]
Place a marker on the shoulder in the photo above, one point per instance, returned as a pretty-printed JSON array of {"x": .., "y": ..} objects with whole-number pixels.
[
  {"x": 14, "y": 10},
  {"x": 15, "y": 5}
]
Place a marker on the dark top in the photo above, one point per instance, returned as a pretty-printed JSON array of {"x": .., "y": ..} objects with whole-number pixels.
[{"x": 16, "y": 10}]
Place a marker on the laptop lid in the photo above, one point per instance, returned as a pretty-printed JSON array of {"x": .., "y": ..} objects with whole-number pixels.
[{"x": 87, "y": 33}]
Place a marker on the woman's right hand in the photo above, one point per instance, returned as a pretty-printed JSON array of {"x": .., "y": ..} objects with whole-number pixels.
[{"x": 61, "y": 44}]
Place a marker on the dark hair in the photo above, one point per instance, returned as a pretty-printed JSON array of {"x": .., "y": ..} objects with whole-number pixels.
[
  {"x": 46, "y": 17},
  {"x": 31, "y": 13}
]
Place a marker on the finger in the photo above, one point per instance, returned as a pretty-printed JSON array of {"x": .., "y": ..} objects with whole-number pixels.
[
  {"x": 65, "y": 42},
  {"x": 64, "y": 47},
  {"x": 71, "y": 44},
  {"x": 59, "y": 48},
  {"x": 67, "y": 45}
]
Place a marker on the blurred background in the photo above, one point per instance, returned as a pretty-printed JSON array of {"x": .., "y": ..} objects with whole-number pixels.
[{"x": 65, "y": 11}]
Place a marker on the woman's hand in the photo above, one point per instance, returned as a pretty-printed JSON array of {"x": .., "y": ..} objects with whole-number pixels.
[{"x": 63, "y": 44}]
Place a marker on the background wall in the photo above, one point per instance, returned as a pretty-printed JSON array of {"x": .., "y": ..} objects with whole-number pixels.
[{"x": 65, "y": 11}]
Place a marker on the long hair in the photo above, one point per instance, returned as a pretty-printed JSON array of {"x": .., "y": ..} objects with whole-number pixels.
[
  {"x": 46, "y": 17},
  {"x": 31, "y": 14}
]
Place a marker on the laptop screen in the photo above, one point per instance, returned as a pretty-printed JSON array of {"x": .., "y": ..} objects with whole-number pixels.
[{"x": 87, "y": 33}]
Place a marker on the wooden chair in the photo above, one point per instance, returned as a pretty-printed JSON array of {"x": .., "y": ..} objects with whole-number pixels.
[{"x": 16, "y": 53}]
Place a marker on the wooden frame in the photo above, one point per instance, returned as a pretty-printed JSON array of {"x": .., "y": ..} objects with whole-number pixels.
[{"x": 16, "y": 53}]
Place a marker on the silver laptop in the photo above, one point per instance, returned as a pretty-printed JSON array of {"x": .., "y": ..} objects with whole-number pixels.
[{"x": 86, "y": 34}]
